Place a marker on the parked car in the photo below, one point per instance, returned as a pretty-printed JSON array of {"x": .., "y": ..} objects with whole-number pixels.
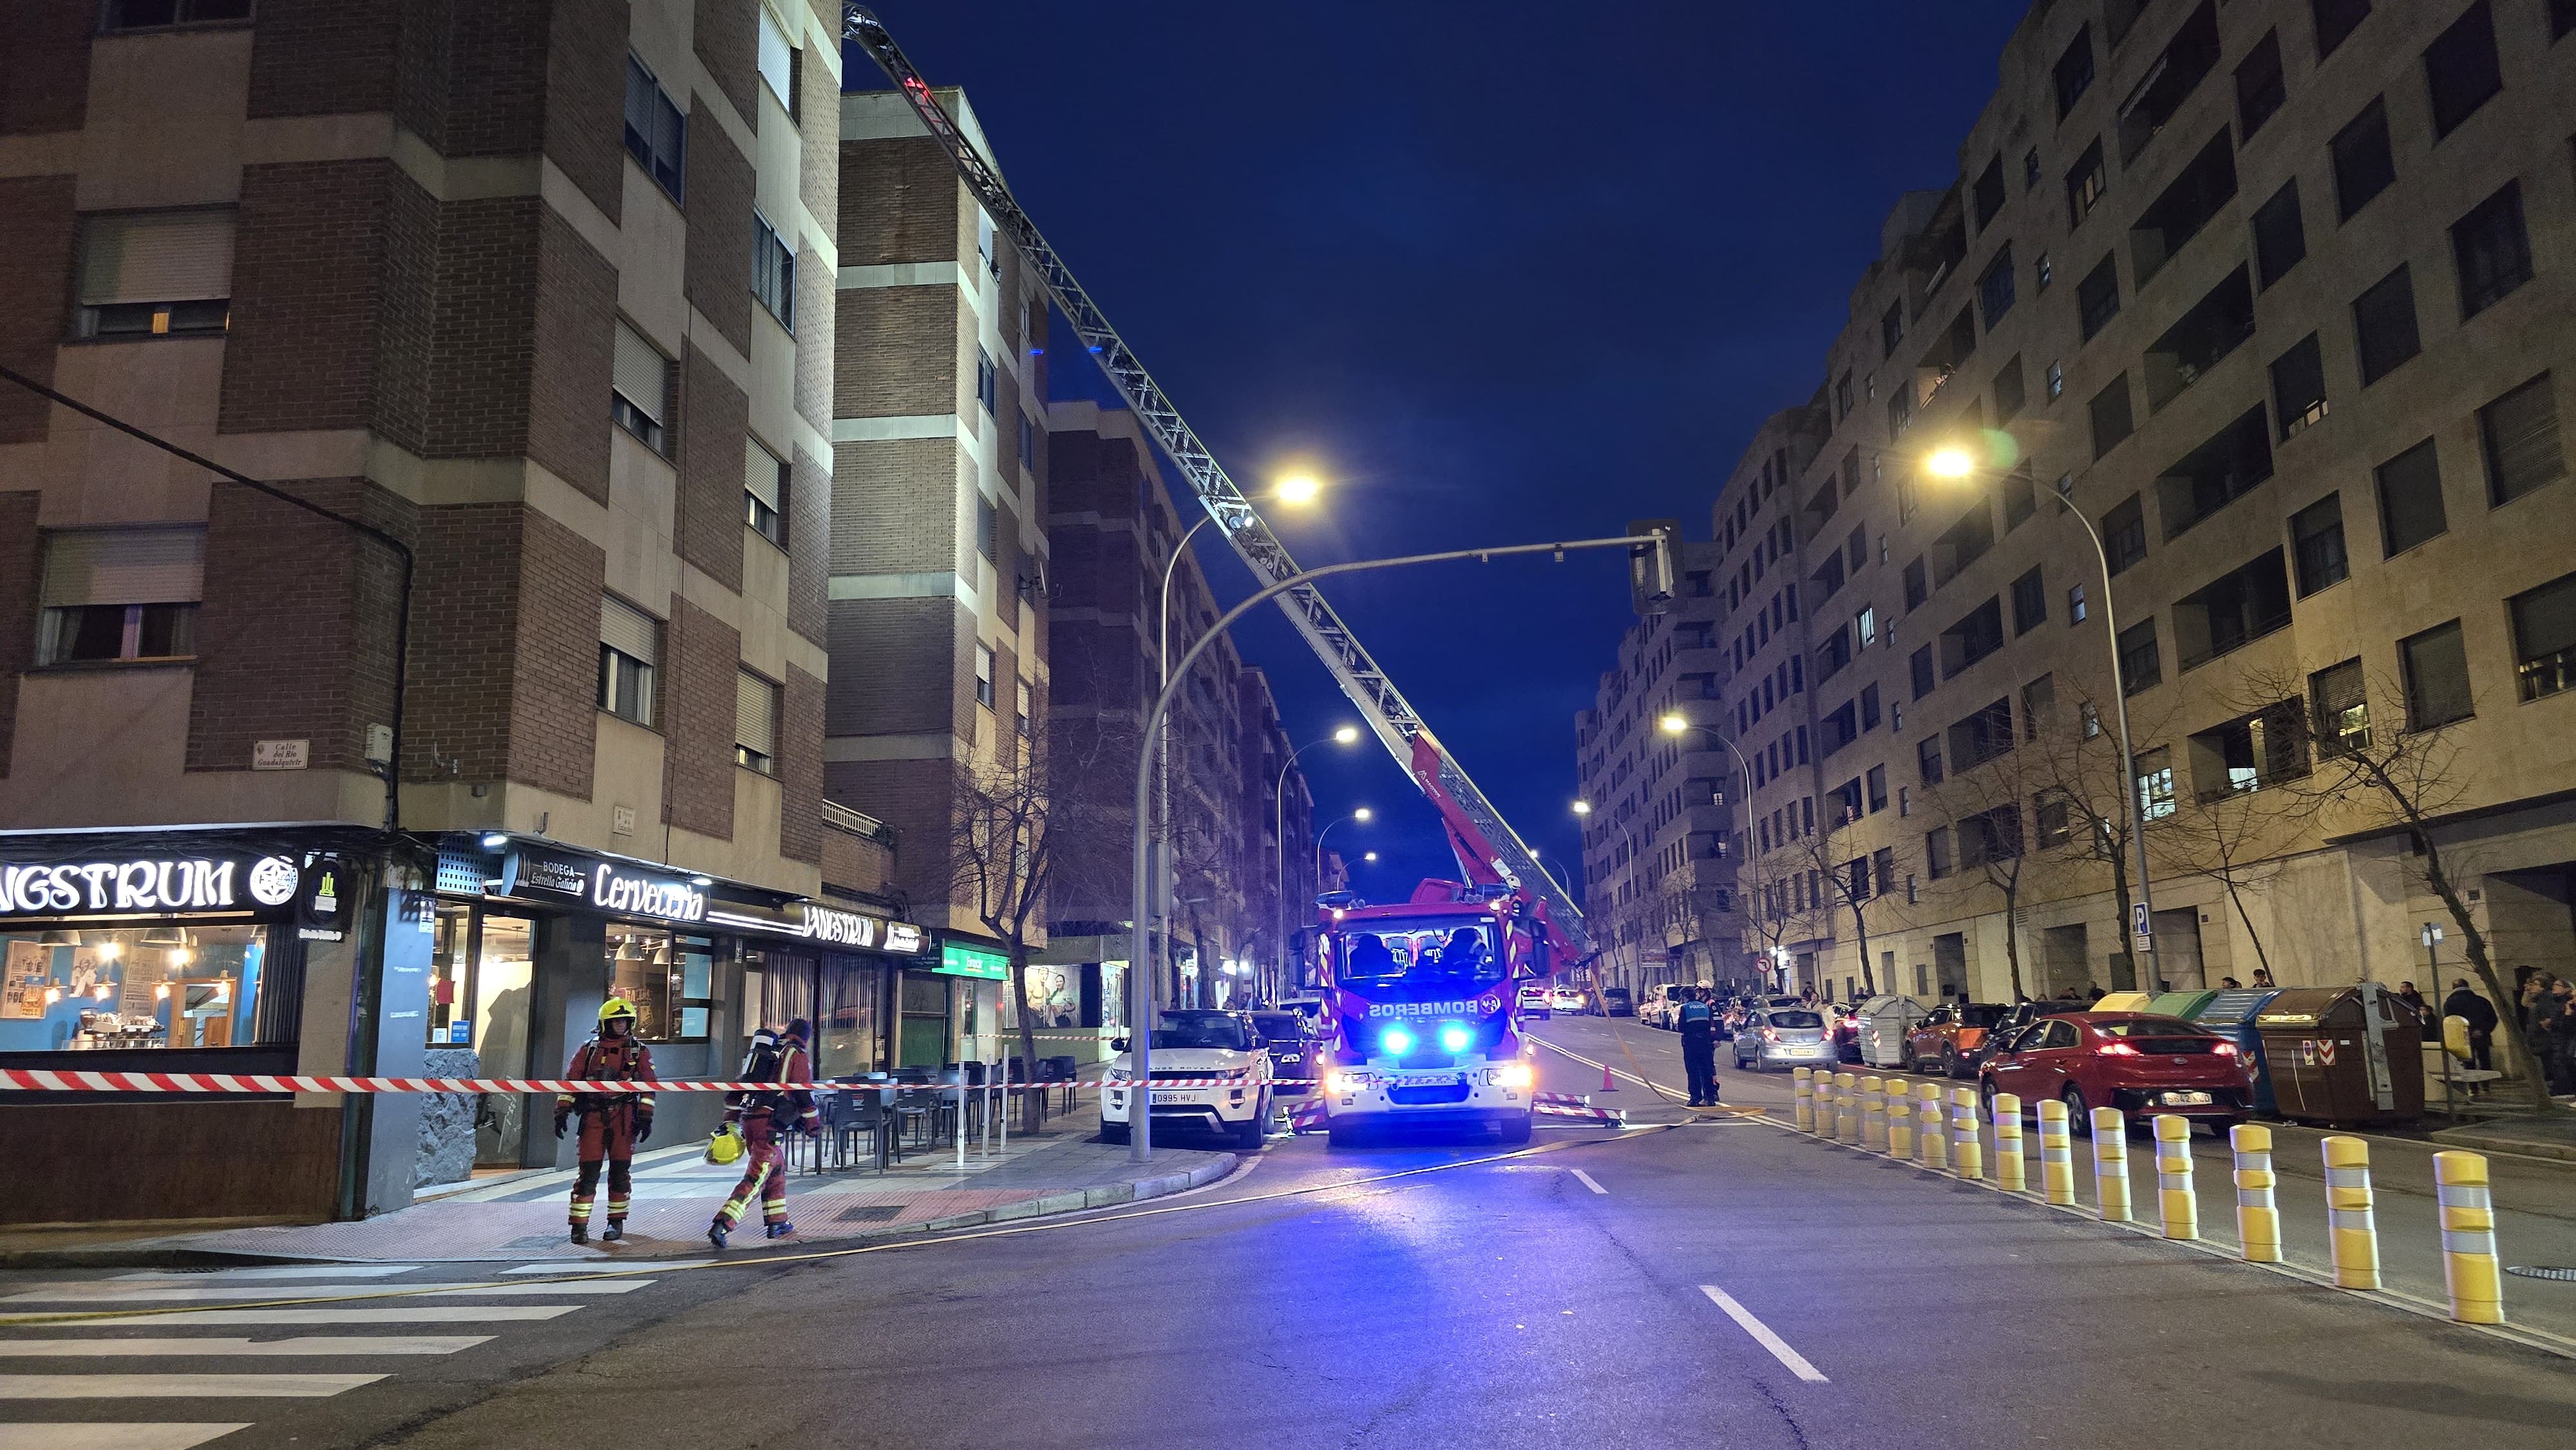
[
  {"x": 1534, "y": 1000},
  {"x": 2138, "y": 1063},
  {"x": 1783, "y": 1037},
  {"x": 1194, "y": 1045},
  {"x": 1615, "y": 1002},
  {"x": 1947, "y": 1040},
  {"x": 1296, "y": 1049}
]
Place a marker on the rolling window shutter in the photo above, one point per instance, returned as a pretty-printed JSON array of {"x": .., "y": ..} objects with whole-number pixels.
[
  {"x": 755, "y": 713},
  {"x": 629, "y": 631},
  {"x": 776, "y": 66},
  {"x": 760, "y": 474},
  {"x": 125, "y": 566},
  {"x": 156, "y": 257},
  {"x": 640, "y": 374}
]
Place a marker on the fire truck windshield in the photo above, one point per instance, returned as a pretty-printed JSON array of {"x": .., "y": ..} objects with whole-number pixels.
[{"x": 1443, "y": 955}]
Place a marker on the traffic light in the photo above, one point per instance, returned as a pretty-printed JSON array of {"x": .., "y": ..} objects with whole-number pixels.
[{"x": 1654, "y": 570}]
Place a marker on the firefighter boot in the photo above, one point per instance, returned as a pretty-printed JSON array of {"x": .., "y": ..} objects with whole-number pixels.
[
  {"x": 581, "y": 1233},
  {"x": 611, "y": 1234}
]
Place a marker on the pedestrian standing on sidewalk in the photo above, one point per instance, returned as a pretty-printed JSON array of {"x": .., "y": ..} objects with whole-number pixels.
[
  {"x": 1698, "y": 1023},
  {"x": 2428, "y": 1027},
  {"x": 2562, "y": 1030},
  {"x": 2544, "y": 1007},
  {"x": 766, "y": 1119},
  {"x": 2465, "y": 1003},
  {"x": 612, "y": 1124}
]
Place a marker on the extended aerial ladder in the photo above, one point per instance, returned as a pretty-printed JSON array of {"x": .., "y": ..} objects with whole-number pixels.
[{"x": 1485, "y": 842}]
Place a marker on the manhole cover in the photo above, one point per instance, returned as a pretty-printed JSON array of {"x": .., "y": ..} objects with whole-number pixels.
[
  {"x": 2564, "y": 1276},
  {"x": 874, "y": 1213}
]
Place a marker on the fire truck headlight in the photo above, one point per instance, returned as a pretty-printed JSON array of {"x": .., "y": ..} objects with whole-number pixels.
[
  {"x": 1397, "y": 1040},
  {"x": 1513, "y": 1075},
  {"x": 1455, "y": 1037}
]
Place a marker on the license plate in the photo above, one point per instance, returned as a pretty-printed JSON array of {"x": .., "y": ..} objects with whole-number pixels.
[
  {"x": 1176, "y": 1097},
  {"x": 1437, "y": 1079},
  {"x": 2187, "y": 1100}
]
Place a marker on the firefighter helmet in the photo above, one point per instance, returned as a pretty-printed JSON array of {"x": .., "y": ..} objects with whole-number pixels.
[{"x": 616, "y": 1007}]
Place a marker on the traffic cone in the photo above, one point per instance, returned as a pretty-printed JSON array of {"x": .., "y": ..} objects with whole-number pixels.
[{"x": 1608, "y": 1083}]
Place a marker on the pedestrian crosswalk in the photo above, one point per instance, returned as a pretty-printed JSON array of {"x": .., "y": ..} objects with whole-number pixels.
[{"x": 215, "y": 1349}]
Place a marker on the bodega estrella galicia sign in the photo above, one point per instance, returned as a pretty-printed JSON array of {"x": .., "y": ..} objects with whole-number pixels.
[{"x": 152, "y": 884}]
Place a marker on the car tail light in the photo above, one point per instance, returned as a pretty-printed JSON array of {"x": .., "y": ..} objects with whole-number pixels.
[
  {"x": 2224, "y": 1049},
  {"x": 1770, "y": 1034},
  {"x": 2120, "y": 1049}
]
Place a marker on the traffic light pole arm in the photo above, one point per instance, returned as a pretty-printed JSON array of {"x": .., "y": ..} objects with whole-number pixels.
[{"x": 1140, "y": 1117}]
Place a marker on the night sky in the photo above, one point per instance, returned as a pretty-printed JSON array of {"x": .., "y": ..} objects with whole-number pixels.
[{"x": 1501, "y": 273}]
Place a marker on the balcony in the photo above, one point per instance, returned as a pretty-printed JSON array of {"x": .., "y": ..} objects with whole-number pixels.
[
  {"x": 2216, "y": 474},
  {"x": 2233, "y": 610},
  {"x": 2214, "y": 327},
  {"x": 1977, "y": 635},
  {"x": 1964, "y": 542},
  {"x": 2251, "y": 752},
  {"x": 2186, "y": 61},
  {"x": 2173, "y": 219}
]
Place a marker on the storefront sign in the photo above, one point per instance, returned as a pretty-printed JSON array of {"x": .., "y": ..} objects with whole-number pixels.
[
  {"x": 629, "y": 893},
  {"x": 836, "y": 927},
  {"x": 158, "y": 884},
  {"x": 956, "y": 959}
]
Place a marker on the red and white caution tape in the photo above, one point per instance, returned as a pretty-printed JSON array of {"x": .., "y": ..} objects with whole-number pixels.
[{"x": 73, "y": 1081}]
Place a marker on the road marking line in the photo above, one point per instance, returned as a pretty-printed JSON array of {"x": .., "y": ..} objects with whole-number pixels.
[
  {"x": 604, "y": 1264},
  {"x": 1779, "y": 1347},
  {"x": 1589, "y": 1183},
  {"x": 101, "y": 1291},
  {"x": 415, "y": 1314},
  {"x": 296, "y": 1271},
  {"x": 180, "y": 1386},
  {"x": 109, "y": 1435},
  {"x": 311, "y": 1344}
]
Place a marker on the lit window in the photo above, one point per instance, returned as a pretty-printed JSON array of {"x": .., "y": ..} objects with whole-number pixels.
[{"x": 156, "y": 274}]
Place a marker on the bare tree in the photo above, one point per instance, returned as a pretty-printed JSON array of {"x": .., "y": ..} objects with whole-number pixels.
[
  {"x": 2073, "y": 770},
  {"x": 1846, "y": 885},
  {"x": 1982, "y": 810},
  {"x": 2236, "y": 833}
]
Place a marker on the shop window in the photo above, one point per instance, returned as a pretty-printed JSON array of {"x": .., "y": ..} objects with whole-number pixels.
[
  {"x": 755, "y": 723},
  {"x": 155, "y": 274},
  {"x": 143, "y": 986},
  {"x": 121, "y": 595},
  {"x": 630, "y": 646},
  {"x": 849, "y": 1028},
  {"x": 764, "y": 491},
  {"x": 669, "y": 978}
]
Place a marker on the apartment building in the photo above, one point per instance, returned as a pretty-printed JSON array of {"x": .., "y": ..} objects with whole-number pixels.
[
  {"x": 536, "y": 299},
  {"x": 2264, "y": 291},
  {"x": 1274, "y": 860},
  {"x": 1659, "y": 874}
]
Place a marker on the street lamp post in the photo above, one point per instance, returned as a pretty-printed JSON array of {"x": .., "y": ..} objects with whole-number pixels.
[
  {"x": 1956, "y": 463},
  {"x": 1346, "y": 735},
  {"x": 1363, "y": 815},
  {"x": 1673, "y": 724}
]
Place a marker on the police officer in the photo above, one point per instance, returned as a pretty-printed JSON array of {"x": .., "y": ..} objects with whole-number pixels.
[
  {"x": 1698, "y": 1022},
  {"x": 612, "y": 1124}
]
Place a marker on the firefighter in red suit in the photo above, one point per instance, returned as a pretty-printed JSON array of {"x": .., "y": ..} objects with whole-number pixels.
[
  {"x": 612, "y": 1124},
  {"x": 766, "y": 1118}
]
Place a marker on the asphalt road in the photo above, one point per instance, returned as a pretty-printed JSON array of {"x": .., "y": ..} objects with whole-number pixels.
[{"x": 1722, "y": 1281}]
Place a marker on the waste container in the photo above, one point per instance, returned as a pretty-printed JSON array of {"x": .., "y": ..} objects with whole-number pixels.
[
  {"x": 2343, "y": 1056},
  {"x": 2124, "y": 1002},
  {"x": 2179, "y": 1004},
  {"x": 2231, "y": 1015},
  {"x": 1884, "y": 1021}
]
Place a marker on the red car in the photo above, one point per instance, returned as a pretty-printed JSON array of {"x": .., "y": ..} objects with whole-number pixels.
[{"x": 2141, "y": 1064}]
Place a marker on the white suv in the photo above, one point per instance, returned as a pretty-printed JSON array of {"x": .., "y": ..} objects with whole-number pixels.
[{"x": 1219, "y": 1076}]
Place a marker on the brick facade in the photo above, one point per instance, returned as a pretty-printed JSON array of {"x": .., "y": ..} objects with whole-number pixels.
[
  {"x": 726, "y": 34},
  {"x": 36, "y": 233},
  {"x": 45, "y": 85},
  {"x": 18, "y": 581},
  {"x": 879, "y": 523},
  {"x": 708, "y": 508},
  {"x": 326, "y": 57},
  {"x": 485, "y": 284},
  {"x": 818, "y": 125},
  {"x": 896, "y": 663},
  {"x": 809, "y": 545},
  {"x": 721, "y": 185},
  {"x": 901, "y": 203},
  {"x": 575, "y": 335},
  {"x": 914, "y": 797},
  {"x": 817, "y": 303},
  {"x": 309, "y": 273},
  {"x": 585, "y": 124},
  {"x": 800, "y": 767},
  {"x": 504, "y": 660},
  {"x": 899, "y": 349},
  {"x": 700, "y": 656}
]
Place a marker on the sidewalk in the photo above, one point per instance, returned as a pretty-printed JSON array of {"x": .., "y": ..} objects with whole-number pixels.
[
  {"x": 2550, "y": 1137},
  {"x": 521, "y": 1218}
]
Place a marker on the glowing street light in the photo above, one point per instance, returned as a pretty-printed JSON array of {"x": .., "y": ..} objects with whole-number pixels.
[
  {"x": 1950, "y": 461},
  {"x": 1583, "y": 808},
  {"x": 1347, "y": 735},
  {"x": 1368, "y": 855},
  {"x": 1363, "y": 814},
  {"x": 1298, "y": 488}
]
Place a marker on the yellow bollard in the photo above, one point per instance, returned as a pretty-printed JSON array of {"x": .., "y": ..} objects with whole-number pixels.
[
  {"x": 2176, "y": 1200},
  {"x": 1802, "y": 1081},
  {"x": 2056, "y": 1153},
  {"x": 1967, "y": 1150},
  {"x": 1931, "y": 1145},
  {"x": 1825, "y": 1106},
  {"x": 2258, "y": 1219},
  {"x": 1873, "y": 1115},
  {"x": 2350, "y": 1224},
  {"x": 1900, "y": 1119},
  {"x": 2011, "y": 1173},
  {"x": 2111, "y": 1164},
  {"x": 2469, "y": 1266},
  {"x": 1846, "y": 1108}
]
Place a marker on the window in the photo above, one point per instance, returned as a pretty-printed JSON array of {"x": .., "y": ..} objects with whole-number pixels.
[
  {"x": 984, "y": 675},
  {"x": 640, "y": 395},
  {"x": 2056, "y": 381},
  {"x": 2460, "y": 68},
  {"x": 1843, "y": 397},
  {"x": 2075, "y": 70},
  {"x": 777, "y": 62},
  {"x": 1891, "y": 327},
  {"x": 2020, "y": 498},
  {"x": 1988, "y": 195},
  {"x": 657, "y": 135},
  {"x": 755, "y": 723},
  {"x": 1920, "y": 663},
  {"x": 1916, "y": 590},
  {"x": 984, "y": 248},
  {"x": 2055, "y": 821},
  {"x": 1024, "y": 704},
  {"x": 2260, "y": 86},
  {"x": 1869, "y": 712},
  {"x": 2038, "y": 705},
  {"x": 2097, "y": 297},
  {"x": 1993, "y": 835},
  {"x": 1029, "y": 461},
  {"x": 1877, "y": 779},
  {"x": 2342, "y": 708},
  {"x": 2410, "y": 499},
  {"x": 2030, "y": 168},
  {"x": 2299, "y": 387},
  {"x": 1865, "y": 628},
  {"x": 145, "y": 14},
  {"x": 773, "y": 267},
  {"x": 2029, "y": 602},
  {"x": 121, "y": 594},
  {"x": 1979, "y": 633},
  {"x": 2041, "y": 275},
  {"x": 2383, "y": 321},
  {"x": 2085, "y": 183},
  {"x": 2280, "y": 238},
  {"x": 1856, "y": 551},
  {"x": 2316, "y": 533},
  {"x": 2544, "y": 637},
  {"x": 2493, "y": 251},
  {"x": 2335, "y": 20},
  {"x": 2437, "y": 677},
  {"x": 1936, "y": 851},
  {"x": 2562, "y": 18},
  {"x": 2112, "y": 422},
  {"x": 2220, "y": 471},
  {"x": 2518, "y": 433},
  {"x": 2075, "y": 611},
  {"x": 1927, "y": 759},
  {"x": 764, "y": 493},
  {"x": 2238, "y": 606},
  {"x": 1982, "y": 736},
  {"x": 1995, "y": 288},
  {"x": 988, "y": 381},
  {"x": 2089, "y": 717},
  {"x": 2363, "y": 165},
  {"x": 2155, "y": 784},
  {"x": 630, "y": 646},
  {"x": 156, "y": 274},
  {"x": 2141, "y": 664},
  {"x": 988, "y": 531},
  {"x": 2010, "y": 391}
]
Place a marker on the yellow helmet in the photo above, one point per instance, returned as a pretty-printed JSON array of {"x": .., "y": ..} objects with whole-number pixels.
[{"x": 616, "y": 1007}]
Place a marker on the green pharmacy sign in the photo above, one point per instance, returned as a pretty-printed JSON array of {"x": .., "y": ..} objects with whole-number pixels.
[{"x": 959, "y": 960}]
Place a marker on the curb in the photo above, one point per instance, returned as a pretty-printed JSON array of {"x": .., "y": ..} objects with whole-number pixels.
[
  {"x": 163, "y": 1254},
  {"x": 2515, "y": 1147}
]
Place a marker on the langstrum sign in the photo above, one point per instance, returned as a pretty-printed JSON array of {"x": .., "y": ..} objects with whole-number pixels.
[{"x": 156, "y": 884}]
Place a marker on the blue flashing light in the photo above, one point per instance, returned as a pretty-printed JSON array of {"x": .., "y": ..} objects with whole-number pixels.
[
  {"x": 1455, "y": 1037},
  {"x": 1396, "y": 1040}
]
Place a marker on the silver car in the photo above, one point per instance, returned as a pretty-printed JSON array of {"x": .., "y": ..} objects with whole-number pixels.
[{"x": 1784, "y": 1037}]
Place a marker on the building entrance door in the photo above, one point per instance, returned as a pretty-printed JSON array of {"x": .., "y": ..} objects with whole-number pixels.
[{"x": 504, "y": 969}]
